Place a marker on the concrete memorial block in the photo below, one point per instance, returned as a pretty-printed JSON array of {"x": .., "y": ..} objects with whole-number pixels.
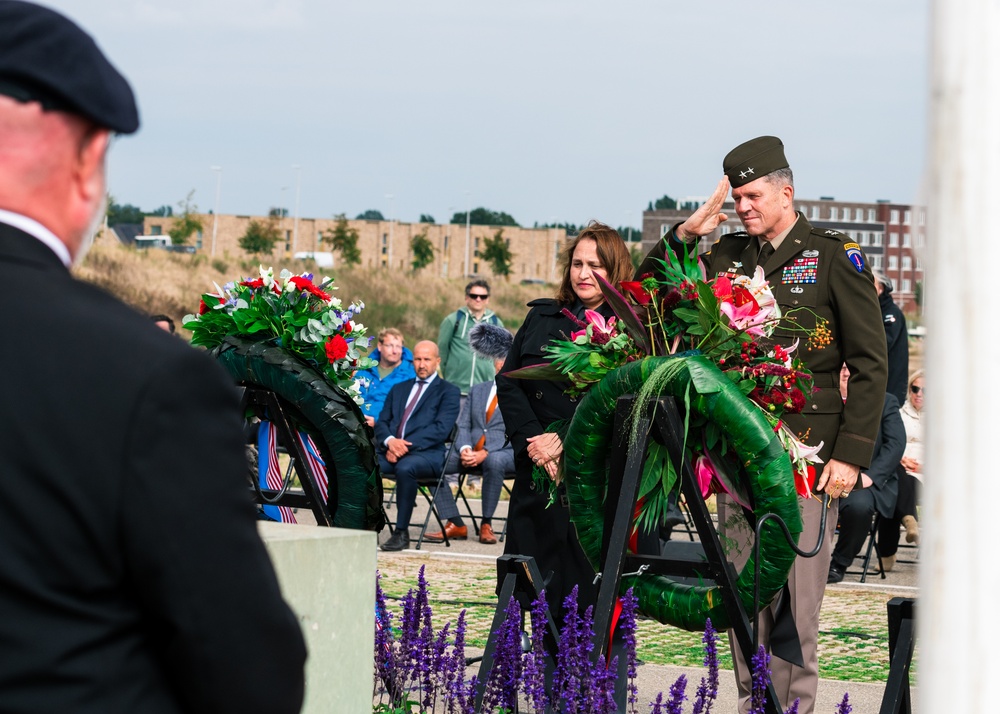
[{"x": 327, "y": 575}]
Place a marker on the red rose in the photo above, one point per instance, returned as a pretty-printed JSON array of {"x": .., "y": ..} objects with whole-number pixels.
[{"x": 336, "y": 348}]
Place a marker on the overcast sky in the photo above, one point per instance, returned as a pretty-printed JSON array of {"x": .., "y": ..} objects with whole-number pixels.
[{"x": 550, "y": 110}]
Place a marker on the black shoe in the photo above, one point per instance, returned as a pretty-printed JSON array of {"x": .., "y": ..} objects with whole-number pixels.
[
  {"x": 836, "y": 574},
  {"x": 400, "y": 540}
]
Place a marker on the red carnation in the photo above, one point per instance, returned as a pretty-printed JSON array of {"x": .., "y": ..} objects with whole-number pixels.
[
  {"x": 336, "y": 348},
  {"x": 303, "y": 283},
  {"x": 257, "y": 283}
]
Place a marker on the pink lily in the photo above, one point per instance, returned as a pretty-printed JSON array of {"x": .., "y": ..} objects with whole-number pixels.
[
  {"x": 597, "y": 326},
  {"x": 704, "y": 471}
]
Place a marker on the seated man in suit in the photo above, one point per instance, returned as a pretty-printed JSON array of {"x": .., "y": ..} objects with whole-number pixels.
[
  {"x": 481, "y": 446},
  {"x": 411, "y": 432},
  {"x": 876, "y": 488}
]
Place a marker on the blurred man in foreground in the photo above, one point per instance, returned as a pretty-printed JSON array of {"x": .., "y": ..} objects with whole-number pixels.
[{"x": 132, "y": 578}]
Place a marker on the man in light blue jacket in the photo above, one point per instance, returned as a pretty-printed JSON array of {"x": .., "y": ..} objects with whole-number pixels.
[{"x": 395, "y": 365}]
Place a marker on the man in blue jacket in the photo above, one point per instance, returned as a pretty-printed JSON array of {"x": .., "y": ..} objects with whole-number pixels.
[{"x": 395, "y": 365}]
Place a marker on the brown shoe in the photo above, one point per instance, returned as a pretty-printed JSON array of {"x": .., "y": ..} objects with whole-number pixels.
[
  {"x": 912, "y": 529},
  {"x": 451, "y": 530},
  {"x": 888, "y": 562},
  {"x": 486, "y": 534}
]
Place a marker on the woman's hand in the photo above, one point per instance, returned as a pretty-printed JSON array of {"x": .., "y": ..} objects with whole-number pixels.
[
  {"x": 910, "y": 464},
  {"x": 545, "y": 450}
]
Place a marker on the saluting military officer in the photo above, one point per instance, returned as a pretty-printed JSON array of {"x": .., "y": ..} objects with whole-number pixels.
[{"x": 819, "y": 278}]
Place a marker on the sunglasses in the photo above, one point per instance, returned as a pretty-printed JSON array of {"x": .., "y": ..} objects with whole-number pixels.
[
  {"x": 916, "y": 390},
  {"x": 478, "y": 296}
]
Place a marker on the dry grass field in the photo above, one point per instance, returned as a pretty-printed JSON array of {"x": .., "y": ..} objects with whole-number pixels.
[{"x": 155, "y": 281}]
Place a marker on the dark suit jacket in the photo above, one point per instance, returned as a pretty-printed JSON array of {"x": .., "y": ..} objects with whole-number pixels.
[
  {"x": 429, "y": 424},
  {"x": 472, "y": 423},
  {"x": 889, "y": 447},
  {"x": 132, "y": 577}
]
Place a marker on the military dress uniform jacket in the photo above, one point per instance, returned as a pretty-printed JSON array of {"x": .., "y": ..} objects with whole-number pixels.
[{"x": 815, "y": 277}]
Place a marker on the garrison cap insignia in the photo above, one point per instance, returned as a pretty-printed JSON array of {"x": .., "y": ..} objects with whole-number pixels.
[{"x": 855, "y": 255}]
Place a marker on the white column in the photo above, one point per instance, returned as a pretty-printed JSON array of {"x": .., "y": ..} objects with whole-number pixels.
[{"x": 959, "y": 578}]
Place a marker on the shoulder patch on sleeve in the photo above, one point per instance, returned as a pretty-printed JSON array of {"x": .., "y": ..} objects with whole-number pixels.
[{"x": 855, "y": 255}]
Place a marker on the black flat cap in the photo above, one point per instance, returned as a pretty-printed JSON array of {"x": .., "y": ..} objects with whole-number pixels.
[
  {"x": 753, "y": 159},
  {"x": 46, "y": 58}
]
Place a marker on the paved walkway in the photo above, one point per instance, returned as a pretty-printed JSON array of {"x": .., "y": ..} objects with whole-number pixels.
[{"x": 865, "y": 698}]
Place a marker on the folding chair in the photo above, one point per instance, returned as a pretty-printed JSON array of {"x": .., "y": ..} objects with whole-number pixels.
[
  {"x": 866, "y": 559},
  {"x": 463, "y": 475}
]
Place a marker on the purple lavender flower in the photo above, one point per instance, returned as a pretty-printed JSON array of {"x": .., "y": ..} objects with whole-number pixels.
[
  {"x": 455, "y": 689},
  {"x": 626, "y": 626},
  {"x": 677, "y": 695},
  {"x": 438, "y": 667},
  {"x": 708, "y": 690},
  {"x": 844, "y": 707},
  {"x": 657, "y": 706},
  {"x": 794, "y": 709},
  {"x": 760, "y": 675},
  {"x": 501, "y": 687},
  {"x": 533, "y": 681},
  {"x": 383, "y": 637},
  {"x": 574, "y": 674},
  {"x": 600, "y": 699},
  {"x": 408, "y": 639}
]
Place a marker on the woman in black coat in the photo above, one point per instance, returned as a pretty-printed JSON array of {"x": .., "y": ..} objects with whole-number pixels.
[{"x": 531, "y": 406}]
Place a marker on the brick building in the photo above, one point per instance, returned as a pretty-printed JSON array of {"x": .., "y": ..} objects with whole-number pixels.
[{"x": 387, "y": 243}]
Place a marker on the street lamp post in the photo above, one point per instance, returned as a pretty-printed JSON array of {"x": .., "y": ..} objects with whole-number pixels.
[
  {"x": 388, "y": 259},
  {"x": 215, "y": 215},
  {"x": 298, "y": 183},
  {"x": 281, "y": 214},
  {"x": 468, "y": 229}
]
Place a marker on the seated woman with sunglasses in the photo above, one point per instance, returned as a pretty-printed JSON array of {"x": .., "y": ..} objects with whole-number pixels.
[{"x": 910, "y": 475}]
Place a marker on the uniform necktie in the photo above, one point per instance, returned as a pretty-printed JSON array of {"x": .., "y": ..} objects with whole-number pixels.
[
  {"x": 409, "y": 408},
  {"x": 489, "y": 415},
  {"x": 766, "y": 251}
]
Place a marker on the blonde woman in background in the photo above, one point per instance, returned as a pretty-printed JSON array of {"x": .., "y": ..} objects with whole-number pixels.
[{"x": 911, "y": 473}]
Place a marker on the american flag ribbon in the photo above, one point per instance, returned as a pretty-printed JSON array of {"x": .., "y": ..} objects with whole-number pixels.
[
  {"x": 316, "y": 463},
  {"x": 269, "y": 470}
]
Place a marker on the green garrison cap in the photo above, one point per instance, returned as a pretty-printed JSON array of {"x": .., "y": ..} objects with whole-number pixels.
[{"x": 753, "y": 159}]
